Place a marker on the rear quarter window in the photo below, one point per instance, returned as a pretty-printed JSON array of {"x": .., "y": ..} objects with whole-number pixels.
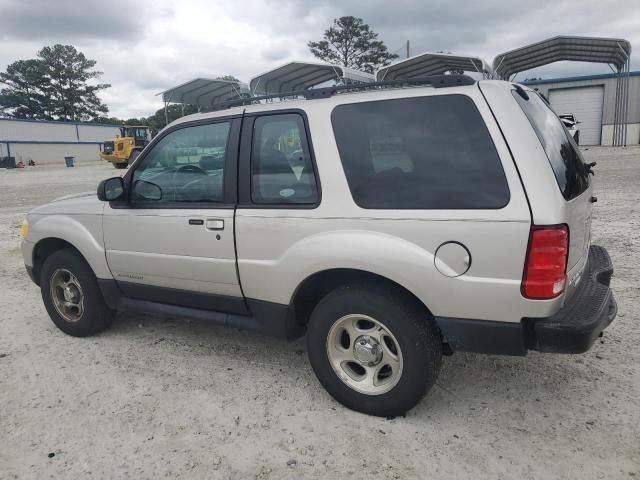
[
  {"x": 564, "y": 155},
  {"x": 419, "y": 153}
]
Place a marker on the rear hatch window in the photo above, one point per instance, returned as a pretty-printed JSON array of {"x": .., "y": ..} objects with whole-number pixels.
[{"x": 564, "y": 155}]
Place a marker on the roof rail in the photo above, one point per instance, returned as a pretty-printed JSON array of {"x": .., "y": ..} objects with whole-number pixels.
[{"x": 436, "y": 81}]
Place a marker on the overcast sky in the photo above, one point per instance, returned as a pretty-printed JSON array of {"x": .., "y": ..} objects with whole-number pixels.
[{"x": 146, "y": 46}]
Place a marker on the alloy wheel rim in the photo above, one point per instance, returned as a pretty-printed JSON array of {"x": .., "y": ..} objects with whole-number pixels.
[
  {"x": 67, "y": 295},
  {"x": 364, "y": 354}
]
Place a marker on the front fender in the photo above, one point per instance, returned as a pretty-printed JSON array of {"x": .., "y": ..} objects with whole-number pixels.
[{"x": 84, "y": 232}]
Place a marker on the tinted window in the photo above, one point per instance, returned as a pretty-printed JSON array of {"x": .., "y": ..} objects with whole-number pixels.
[
  {"x": 419, "y": 153},
  {"x": 564, "y": 155},
  {"x": 187, "y": 165},
  {"x": 281, "y": 167}
]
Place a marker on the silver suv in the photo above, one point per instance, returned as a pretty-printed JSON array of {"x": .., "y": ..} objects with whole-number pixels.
[{"x": 391, "y": 224}]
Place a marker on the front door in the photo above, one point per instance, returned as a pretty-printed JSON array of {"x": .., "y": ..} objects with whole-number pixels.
[{"x": 173, "y": 241}]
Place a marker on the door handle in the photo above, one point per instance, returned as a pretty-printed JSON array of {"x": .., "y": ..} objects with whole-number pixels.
[
  {"x": 196, "y": 221},
  {"x": 215, "y": 224}
]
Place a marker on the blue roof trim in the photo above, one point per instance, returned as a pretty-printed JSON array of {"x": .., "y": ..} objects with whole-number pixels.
[
  {"x": 88, "y": 124},
  {"x": 576, "y": 79}
]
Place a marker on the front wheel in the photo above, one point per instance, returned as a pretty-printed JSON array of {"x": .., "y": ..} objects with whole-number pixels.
[
  {"x": 121, "y": 165},
  {"x": 71, "y": 295},
  {"x": 374, "y": 349}
]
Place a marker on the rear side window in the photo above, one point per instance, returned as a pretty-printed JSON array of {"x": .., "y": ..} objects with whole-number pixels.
[
  {"x": 564, "y": 155},
  {"x": 281, "y": 167},
  {"x": 419, "y": 153}
]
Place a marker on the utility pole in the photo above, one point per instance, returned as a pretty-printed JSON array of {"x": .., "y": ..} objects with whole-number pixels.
[{"x": 407, "y": 48}]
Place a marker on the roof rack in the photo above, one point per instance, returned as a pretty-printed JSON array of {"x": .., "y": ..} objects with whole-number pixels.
[
  {"x": 296, "y": 76},
  {"x": 433, "y": 64},
  {"x": 436, "y": 81}
]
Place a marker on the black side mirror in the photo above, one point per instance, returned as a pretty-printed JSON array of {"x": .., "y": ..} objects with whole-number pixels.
[
  {"x": 111, "y": 189},
  {"x": 147, "y": 190}
]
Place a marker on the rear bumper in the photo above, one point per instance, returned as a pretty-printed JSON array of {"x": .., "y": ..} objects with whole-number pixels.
[{"x": 575, "y": 327}]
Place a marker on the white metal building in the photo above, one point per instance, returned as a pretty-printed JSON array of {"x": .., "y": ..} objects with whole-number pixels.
[
  {"x": 49, "y": 142},
  {"x": 592, "y": 100}
]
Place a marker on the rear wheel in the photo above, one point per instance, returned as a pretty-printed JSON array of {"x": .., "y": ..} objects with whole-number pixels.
[
  {"x": 71, "y": 295},
  {"x": 373, "y": 349},
  {"x": 120, "y": 165}
]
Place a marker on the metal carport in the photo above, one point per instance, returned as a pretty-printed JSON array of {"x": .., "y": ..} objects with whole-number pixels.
[
  {"x": 427, "y": 64},
  {"x": 614, "y": 52},
  {"x": 204, "y": 93},
  {"x": 297, "y": 76}
]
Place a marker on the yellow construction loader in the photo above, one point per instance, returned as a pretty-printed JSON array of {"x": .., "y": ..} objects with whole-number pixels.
[{"x": 125, "y": 148}]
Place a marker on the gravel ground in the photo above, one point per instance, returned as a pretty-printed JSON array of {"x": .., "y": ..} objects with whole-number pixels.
[{"x": 177, "y": 398}]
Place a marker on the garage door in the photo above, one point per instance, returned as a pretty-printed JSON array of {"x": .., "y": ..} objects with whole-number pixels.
[{"x": 586, "y": 104}]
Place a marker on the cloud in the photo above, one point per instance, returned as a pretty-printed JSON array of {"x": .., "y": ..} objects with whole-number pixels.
[
  {"x": 68, "y": 20},
  {"x": 146, "y": 46}
]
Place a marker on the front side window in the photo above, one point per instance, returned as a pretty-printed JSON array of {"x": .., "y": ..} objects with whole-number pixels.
[
  {"x": 564, "y": 155},
  {"x": 419, "y": 153},
  {"x": 281, "y": 167},
  {"x": 185, "y": 166}
]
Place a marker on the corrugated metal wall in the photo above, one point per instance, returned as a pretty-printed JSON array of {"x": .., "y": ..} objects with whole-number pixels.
[
  {"x": 50, "y": 153},
  {"x": 50, "y": 142}
]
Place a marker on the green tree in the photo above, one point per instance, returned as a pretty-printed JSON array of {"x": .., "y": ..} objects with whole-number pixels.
[
  {"x": 22, "y": 97},
  {"x": 57, "y": 85},
  {"x": 119, "y": 121},
  {"x": 350, "y": 42}
]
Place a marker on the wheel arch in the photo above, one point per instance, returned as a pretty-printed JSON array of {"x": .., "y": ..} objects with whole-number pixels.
[
  {"x": 44, "y": 248},
  {"x": 48, "y": 233},
  {"x": 317, "y": 285}
]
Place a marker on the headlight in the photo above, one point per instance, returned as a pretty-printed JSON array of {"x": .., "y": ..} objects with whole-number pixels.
[{"x": 24, "y": 229}]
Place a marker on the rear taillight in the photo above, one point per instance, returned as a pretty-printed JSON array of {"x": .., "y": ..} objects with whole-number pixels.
[{"x": 546, "y": 265}]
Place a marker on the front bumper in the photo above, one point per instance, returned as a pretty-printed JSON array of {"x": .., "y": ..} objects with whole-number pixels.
[
  {"x": 27, "y": 254},
  {"x": 577, "y": 325}
]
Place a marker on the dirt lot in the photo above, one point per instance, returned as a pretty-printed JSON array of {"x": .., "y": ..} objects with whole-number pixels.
[{"x": 176, "y": 398}]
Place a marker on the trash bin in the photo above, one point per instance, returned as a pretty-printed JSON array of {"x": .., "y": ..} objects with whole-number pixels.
[
  {"x": 8, "y": 162},
  {"x": 69, "y": 161}
]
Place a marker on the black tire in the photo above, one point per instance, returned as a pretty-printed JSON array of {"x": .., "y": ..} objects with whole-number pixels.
[
  {"x": 121, "y": 165},
  {"x": 414, "y": 330},
  {"x": 96, "y": 316}
]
